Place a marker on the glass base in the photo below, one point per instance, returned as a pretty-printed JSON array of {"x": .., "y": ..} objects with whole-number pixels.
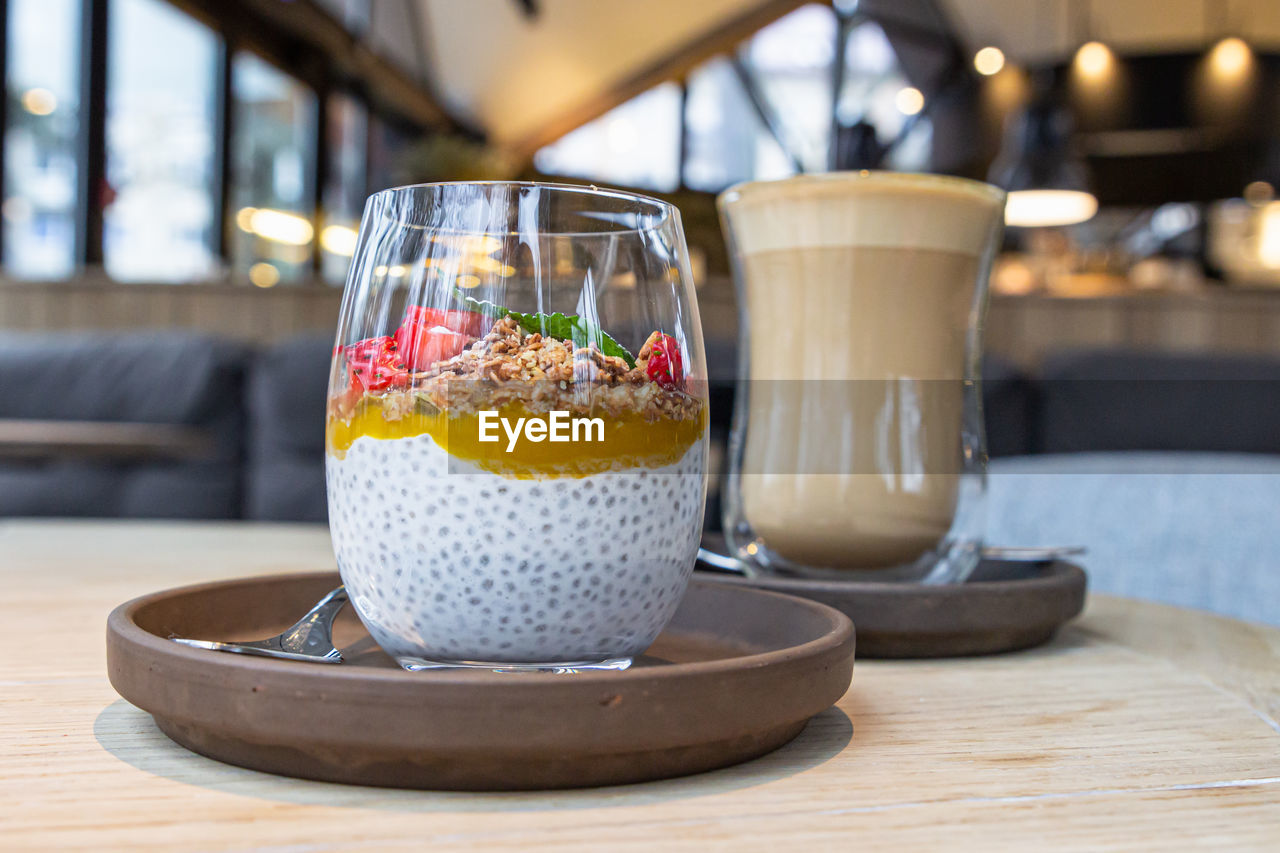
[
  {"x": 951, "y": 562},
  {"x": 415, "y": 664}
]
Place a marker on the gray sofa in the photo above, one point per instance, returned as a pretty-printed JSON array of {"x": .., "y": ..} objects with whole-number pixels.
[
  {"x": 284, "y": 477},
  {"x": 191, "y": 383}
]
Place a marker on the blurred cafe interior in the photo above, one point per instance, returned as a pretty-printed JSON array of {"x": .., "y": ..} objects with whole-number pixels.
[{"x": 183, "y": 181}]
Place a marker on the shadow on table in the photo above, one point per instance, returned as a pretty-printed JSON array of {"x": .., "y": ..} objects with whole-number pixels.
[{"x": 130, "y": 735}]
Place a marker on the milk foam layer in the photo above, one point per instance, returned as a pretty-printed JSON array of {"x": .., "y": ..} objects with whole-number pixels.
[
  {"x": 449, "y": 566},
  {"x": 850, "y": 209}
]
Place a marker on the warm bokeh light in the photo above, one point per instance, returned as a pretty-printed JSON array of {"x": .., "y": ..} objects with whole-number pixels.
[
  {"x": 481, "y": 244},
  {"x": 1230, "y": 57},
  {"x": 484, "y": 263},
  {"x": 39, "y": 102},
  {"x": 1013, "y": 276},
  {"x": 1269, "y": 236},
  {"x": 466, "y": 282},
  {"x": 1259, "y": 192},
  {"x": 988, "y": 61},
  {"x": 909, "y": 100},
  {"x": 1041, "y": 208},
  {"x": 1093, "y": 59},
  {"x": 277, "y": 225},
  {"x": 264, "y": 275},
  {"x": 338, "y": 240}
]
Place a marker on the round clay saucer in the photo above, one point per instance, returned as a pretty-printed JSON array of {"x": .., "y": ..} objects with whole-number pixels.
[
  {"x": 737, "y": 673},
  {"x": 1003, "y": 607}
]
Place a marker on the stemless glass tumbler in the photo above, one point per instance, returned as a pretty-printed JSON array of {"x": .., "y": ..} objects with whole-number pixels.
[
  {"x": 517, "y": 425},
  {"x": 857, "y": 444}
]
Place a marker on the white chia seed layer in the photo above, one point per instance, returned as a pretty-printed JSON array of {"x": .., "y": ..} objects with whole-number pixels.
[{"x": 448, "y": 566}]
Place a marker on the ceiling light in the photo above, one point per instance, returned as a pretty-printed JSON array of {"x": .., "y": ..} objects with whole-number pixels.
[
  {"x": 1042, "y": 208},
  {"x": 1093, "y": 59},
  {"x": 1046, "y": 181},
  {"x": 1230, "y": 56},
  {"x": 277, "y": 225},
  {"x": 988, "y": 61},
  {"x": 338, "y": 240},
  {"x": 909, "y": 100}
]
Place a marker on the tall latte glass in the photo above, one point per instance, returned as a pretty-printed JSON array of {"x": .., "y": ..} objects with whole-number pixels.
[{"x": 857, "y": 447}]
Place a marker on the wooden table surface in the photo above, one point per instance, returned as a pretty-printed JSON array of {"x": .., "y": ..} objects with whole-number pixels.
[{"x": 1141, "y": 726}]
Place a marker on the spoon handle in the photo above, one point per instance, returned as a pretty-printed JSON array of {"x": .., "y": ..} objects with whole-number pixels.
[
  {"x": 309, "y": 639},
  {"x": 312, "y": 635},
  {"x": 260, "y": 648},
  {"x": 732, "y": 565}
]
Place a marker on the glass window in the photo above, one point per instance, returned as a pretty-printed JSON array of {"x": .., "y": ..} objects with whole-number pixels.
[
  {"x": 159, "y": 220},
  {"x": 272, "y": 163},
  {"x": 636, "y": 144},
  {"x": 791, "y": 60},
  {"x": 727, "y": 142},
  {"x": 871, "y": 82},
  {"x": 344, "y": 189},
  {"x": 41, "y": 141}
]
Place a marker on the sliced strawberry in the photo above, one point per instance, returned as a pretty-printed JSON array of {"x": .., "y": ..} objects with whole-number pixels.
[
  {"x": 422, "y": 347},
  {"x": 469, "y": 323},
  {"x": 375, "y": 364},
  {"x": 431, "y": 335},
  {"x": 662, "y": 361}
]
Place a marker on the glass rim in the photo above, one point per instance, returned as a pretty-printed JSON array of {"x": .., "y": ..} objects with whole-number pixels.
[
  {"x": 748, "y": 191},
  {"x": 663, "y": 211}
]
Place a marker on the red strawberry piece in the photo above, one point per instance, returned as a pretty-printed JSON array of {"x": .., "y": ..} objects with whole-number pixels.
[
  {"x": 469, "y": 323},
  {"x": 375, "y": 364},
  {"x": 431, "y": 335},
  {"x": 424, "y": 347},
  {"x": 663, "y": 362}
]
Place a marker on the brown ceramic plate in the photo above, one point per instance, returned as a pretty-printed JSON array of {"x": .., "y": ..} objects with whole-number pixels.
[
  {"x": 1003, "y": 607},
  {"x": 737, "y": 674}
]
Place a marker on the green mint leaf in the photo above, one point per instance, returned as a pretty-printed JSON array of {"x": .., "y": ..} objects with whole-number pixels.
[
  {"x": 569, "y": 327},
  {"x": 573, "y": 328},
  {"x": 481, "y": 306}
]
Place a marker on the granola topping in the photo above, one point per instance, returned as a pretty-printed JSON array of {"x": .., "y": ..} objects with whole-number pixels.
[
  {"x": 650, "y": 418},
  {"x": 508, "y": 367}
]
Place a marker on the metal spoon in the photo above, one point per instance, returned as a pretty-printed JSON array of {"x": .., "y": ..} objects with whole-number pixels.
[
  {"x": 726, "y": 563},
  {"x": 310, "y": 639}
]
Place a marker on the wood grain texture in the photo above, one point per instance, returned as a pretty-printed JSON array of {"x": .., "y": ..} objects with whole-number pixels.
[{"x": 1141, "y": 726}]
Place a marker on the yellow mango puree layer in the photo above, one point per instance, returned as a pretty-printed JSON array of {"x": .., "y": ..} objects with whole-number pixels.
[{"x": 629, "y": 441}]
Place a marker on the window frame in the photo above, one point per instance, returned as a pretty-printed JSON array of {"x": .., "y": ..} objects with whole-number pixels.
[{"x": 310, "y": 71}]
